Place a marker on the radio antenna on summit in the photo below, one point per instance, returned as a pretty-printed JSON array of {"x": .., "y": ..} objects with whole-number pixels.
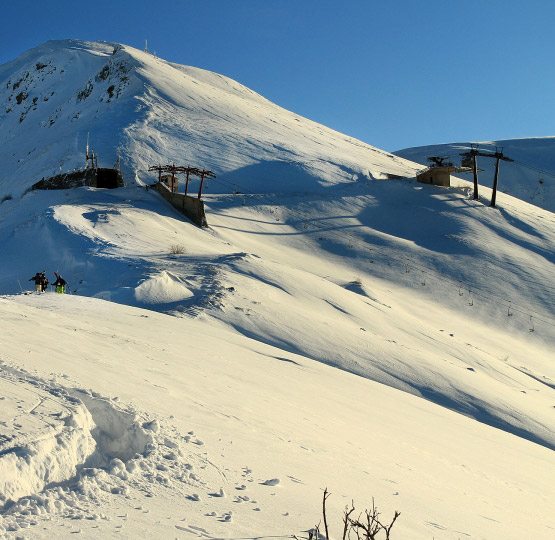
[
  {"x": 87, "y": 152},
  {"x": 92, "y": 157}
]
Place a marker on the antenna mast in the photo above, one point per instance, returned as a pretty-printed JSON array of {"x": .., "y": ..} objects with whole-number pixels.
[
  {"x": 87, "y": 153},
  {"x": 92, "y": 157}
]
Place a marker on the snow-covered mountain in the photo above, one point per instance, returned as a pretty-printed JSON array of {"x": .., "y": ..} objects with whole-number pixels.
[
  {"x": 531, "y": 177},
  {"x": 188, "y": 386},
  {"x": 55, "y": 96}
]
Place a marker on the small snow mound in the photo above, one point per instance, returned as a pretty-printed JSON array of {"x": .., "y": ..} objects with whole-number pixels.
[
  {"x": 162, "y": 288},
  {"x": 358, "y": 287},
  {"x": 118, "y": 434}
]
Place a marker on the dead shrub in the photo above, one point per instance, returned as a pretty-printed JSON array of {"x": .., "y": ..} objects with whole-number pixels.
[
  {"x": 177, "y": 249},
  {"x": 367, "y": 526}
]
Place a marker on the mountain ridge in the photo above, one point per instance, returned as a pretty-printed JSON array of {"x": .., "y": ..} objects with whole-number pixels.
[{"x": 154, "y": 111}]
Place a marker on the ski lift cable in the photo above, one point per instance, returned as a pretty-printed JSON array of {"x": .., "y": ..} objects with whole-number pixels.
[
  {"x": 405, "y": 260},
  {"x": 536, "y": 169},
  {"x": 516, "y": 162}
]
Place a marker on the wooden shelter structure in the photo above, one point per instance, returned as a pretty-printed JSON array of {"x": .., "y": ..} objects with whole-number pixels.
[
  {"x": 168, "y": 187},
  {"x": 170, "y": 178}
]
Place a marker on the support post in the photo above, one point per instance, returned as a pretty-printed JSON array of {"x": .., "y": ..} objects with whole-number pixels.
[
  {"x": 187, "y": 181},
  {"x": 475, "y": 171},
  {"x": 493, "y": 195},
  {"x": 173, "y": 179},
  {"x": 201, "y": 182}
]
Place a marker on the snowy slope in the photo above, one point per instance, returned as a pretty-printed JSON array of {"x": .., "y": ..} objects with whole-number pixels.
[
  {"x": 354, "y": 301},
  {"x": 199, "y": 432},
  {"x": 223, "y": 358},
  {"x": 531, "y": 177}
]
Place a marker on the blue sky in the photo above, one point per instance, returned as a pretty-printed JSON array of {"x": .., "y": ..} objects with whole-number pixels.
[{"x": 394, "y": 73}]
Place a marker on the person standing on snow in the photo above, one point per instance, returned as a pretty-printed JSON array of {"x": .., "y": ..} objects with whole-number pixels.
[
  {"x": 37, "y": 278},
  {"x": 44, "y": 281},
  {"x": 60, "y": 283}
]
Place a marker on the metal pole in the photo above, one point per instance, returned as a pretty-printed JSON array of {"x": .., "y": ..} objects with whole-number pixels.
[
  {"x": 475, "y": 170},
  {"x": 493, "y": 195},
  {"x": 201, "y": 182},
  {"x": 187, "y": 182}
]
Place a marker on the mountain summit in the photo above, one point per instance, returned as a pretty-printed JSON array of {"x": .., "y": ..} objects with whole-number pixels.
[{"x": 57, "y": 96}]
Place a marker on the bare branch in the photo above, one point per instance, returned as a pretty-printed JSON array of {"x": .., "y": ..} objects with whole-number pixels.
[
  {"x": 324, "y": 499},
  {"x": 346, "y": 519},
  {"x": 366, "y": 527}
]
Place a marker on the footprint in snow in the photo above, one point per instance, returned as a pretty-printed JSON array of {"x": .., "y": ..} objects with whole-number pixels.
[
  {"x": 221, "y": 493},
  {"x": 271, "y": 482},
  {"x": 189, "y": 439}
]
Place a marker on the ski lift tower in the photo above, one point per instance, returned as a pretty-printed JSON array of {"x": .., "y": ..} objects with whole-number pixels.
[{"x": 498, "y": 155}]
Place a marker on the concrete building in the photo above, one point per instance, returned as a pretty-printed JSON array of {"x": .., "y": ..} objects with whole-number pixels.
[
  {"x": 94, "y": 177},
  {"x": 439, "y": 176}
]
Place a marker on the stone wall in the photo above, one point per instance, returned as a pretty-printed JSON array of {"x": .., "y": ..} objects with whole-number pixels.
[
  {"x": 191, "y": 207},
  {"x": 99, "y": 177}
]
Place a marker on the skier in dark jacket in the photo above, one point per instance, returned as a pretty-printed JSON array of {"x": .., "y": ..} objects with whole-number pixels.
[
  {"x": 60, "y": 283},
  {"x": 44, "y": 281},
  {"x": 37, "y": 278}
]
